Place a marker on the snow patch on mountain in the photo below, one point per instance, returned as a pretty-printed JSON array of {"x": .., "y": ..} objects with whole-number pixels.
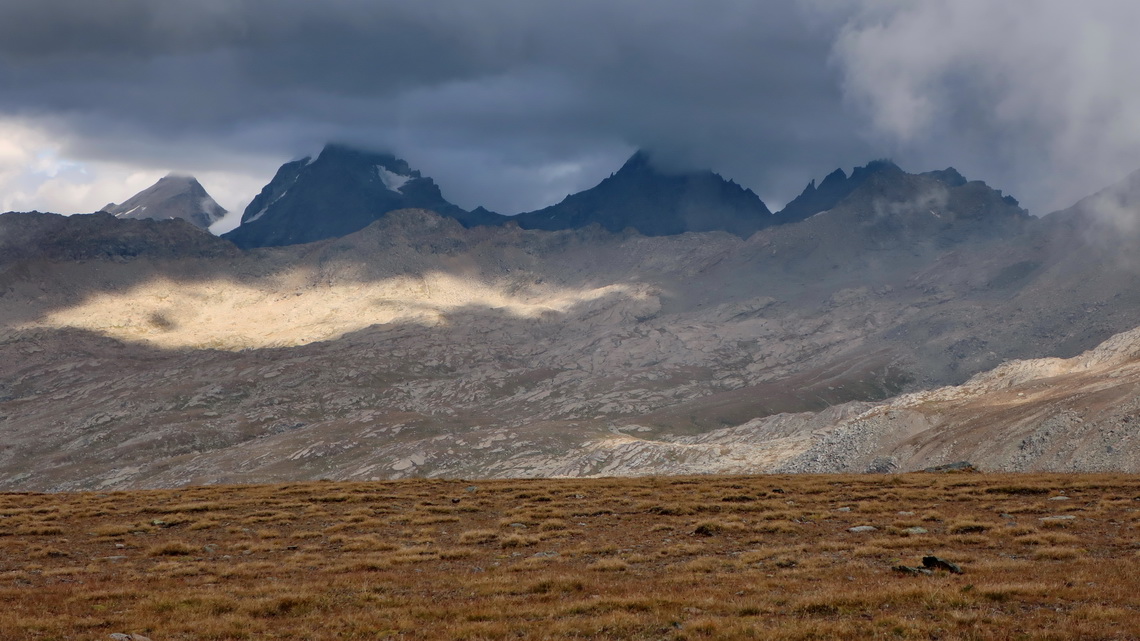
[
  {"x": 266, "y": 208},
  {"x": 393, "y": 181}
]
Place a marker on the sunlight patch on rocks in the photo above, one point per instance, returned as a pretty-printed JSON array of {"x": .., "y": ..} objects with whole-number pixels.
[{"x": 297, "y": 310}]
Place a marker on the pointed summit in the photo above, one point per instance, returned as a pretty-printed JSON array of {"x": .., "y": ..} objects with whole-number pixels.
[
  {"x": 173, "y": 196},
  {"x": 656, "y": 202},
  {"x": 340, "y": 191}
]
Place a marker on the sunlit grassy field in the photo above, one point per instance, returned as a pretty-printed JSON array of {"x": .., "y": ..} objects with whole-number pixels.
[{"x": 768, "y": 557}]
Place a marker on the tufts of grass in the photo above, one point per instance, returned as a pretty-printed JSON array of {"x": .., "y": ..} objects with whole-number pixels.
[
  {"x": 594, "y": 560},
  {"x": 39, "y": 529},
  {"x": 48, "y": 553},
  {"x": 714, "y": 528},
  {"x": 435, "y": 520},
  {"x": 202, "y": 506},
  {"x": 367, "y": 543},
  {"x": 967, "y": 527},
  {"x": 519, "y": 541},
  {"x": 112, "y": 530},
  {"x": 479, "y": 536},
  {"x": 553, "y": 525},
  {"x": 609, "y": 565},
  {"x": 456, "y": 553},
  {"x": 1056, "y": 553},
  {"x": 204, "y": 524},
  {"x": 173, "y": 548}
]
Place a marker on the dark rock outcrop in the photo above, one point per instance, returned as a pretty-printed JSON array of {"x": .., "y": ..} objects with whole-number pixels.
[{"x": 936, "y": 563}]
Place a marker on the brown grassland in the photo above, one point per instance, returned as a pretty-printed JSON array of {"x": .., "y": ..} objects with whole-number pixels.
[{"x": 762, "y": 557}]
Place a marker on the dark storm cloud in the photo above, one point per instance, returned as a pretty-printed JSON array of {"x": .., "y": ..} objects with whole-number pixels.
[
  {"x": 514, "y": 103},
  {"x": 476, "y": 93}
]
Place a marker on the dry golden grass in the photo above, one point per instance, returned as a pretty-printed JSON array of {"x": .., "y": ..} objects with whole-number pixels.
[{"x": 653, "y": 558}]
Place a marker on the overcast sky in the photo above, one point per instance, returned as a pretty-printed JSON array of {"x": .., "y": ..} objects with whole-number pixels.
[{"x": 512, "y": 104}]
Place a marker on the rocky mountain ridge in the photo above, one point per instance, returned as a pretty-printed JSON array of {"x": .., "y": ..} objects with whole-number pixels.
[
  {"x": 343, "y": 190},
  {"x": 419, "y": 346},
  {"x": 33, "y": 238}
]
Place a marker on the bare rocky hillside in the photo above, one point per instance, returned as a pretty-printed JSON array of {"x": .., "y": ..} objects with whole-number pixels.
[{"x": 418, "y": 347}]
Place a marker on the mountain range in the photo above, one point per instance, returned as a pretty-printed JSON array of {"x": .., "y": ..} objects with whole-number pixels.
[
  {"x": 880, "y": 322},
  {"x": 343, "y": 190}
]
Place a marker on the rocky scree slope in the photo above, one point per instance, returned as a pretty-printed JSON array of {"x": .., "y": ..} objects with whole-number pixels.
[{"x": 1046, "y": 415}]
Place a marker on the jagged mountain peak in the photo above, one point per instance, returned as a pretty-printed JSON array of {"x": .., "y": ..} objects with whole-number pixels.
[
  {"x": 647, "y": 163},
  {"x": 341, "y": 153},
  {"x": 656, "y": 202},
  {"x": 876, "y": 166},
  {"x": 950, "y": 176},
  {"x": 342, "y": 190},
  {"x": 339, "y": 157},
  {"x": 832, "y": 190},
  {"x": 175, "y": 195},
  {"x": 642, "y": 161}
]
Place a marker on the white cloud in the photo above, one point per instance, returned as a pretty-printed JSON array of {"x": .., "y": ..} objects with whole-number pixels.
[
  {"x": 35, "y": 175},
  {"x": 37, "y": 172},
  {"x": 1040, "y": 92}
]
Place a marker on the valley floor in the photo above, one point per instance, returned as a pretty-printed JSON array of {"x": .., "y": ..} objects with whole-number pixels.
[{"x": 756, "y": 557}]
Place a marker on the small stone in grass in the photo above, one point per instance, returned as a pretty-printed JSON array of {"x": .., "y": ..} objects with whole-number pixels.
[
  {"x": 935, "y": 563},
  {"x": 906, "y": 569}
]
